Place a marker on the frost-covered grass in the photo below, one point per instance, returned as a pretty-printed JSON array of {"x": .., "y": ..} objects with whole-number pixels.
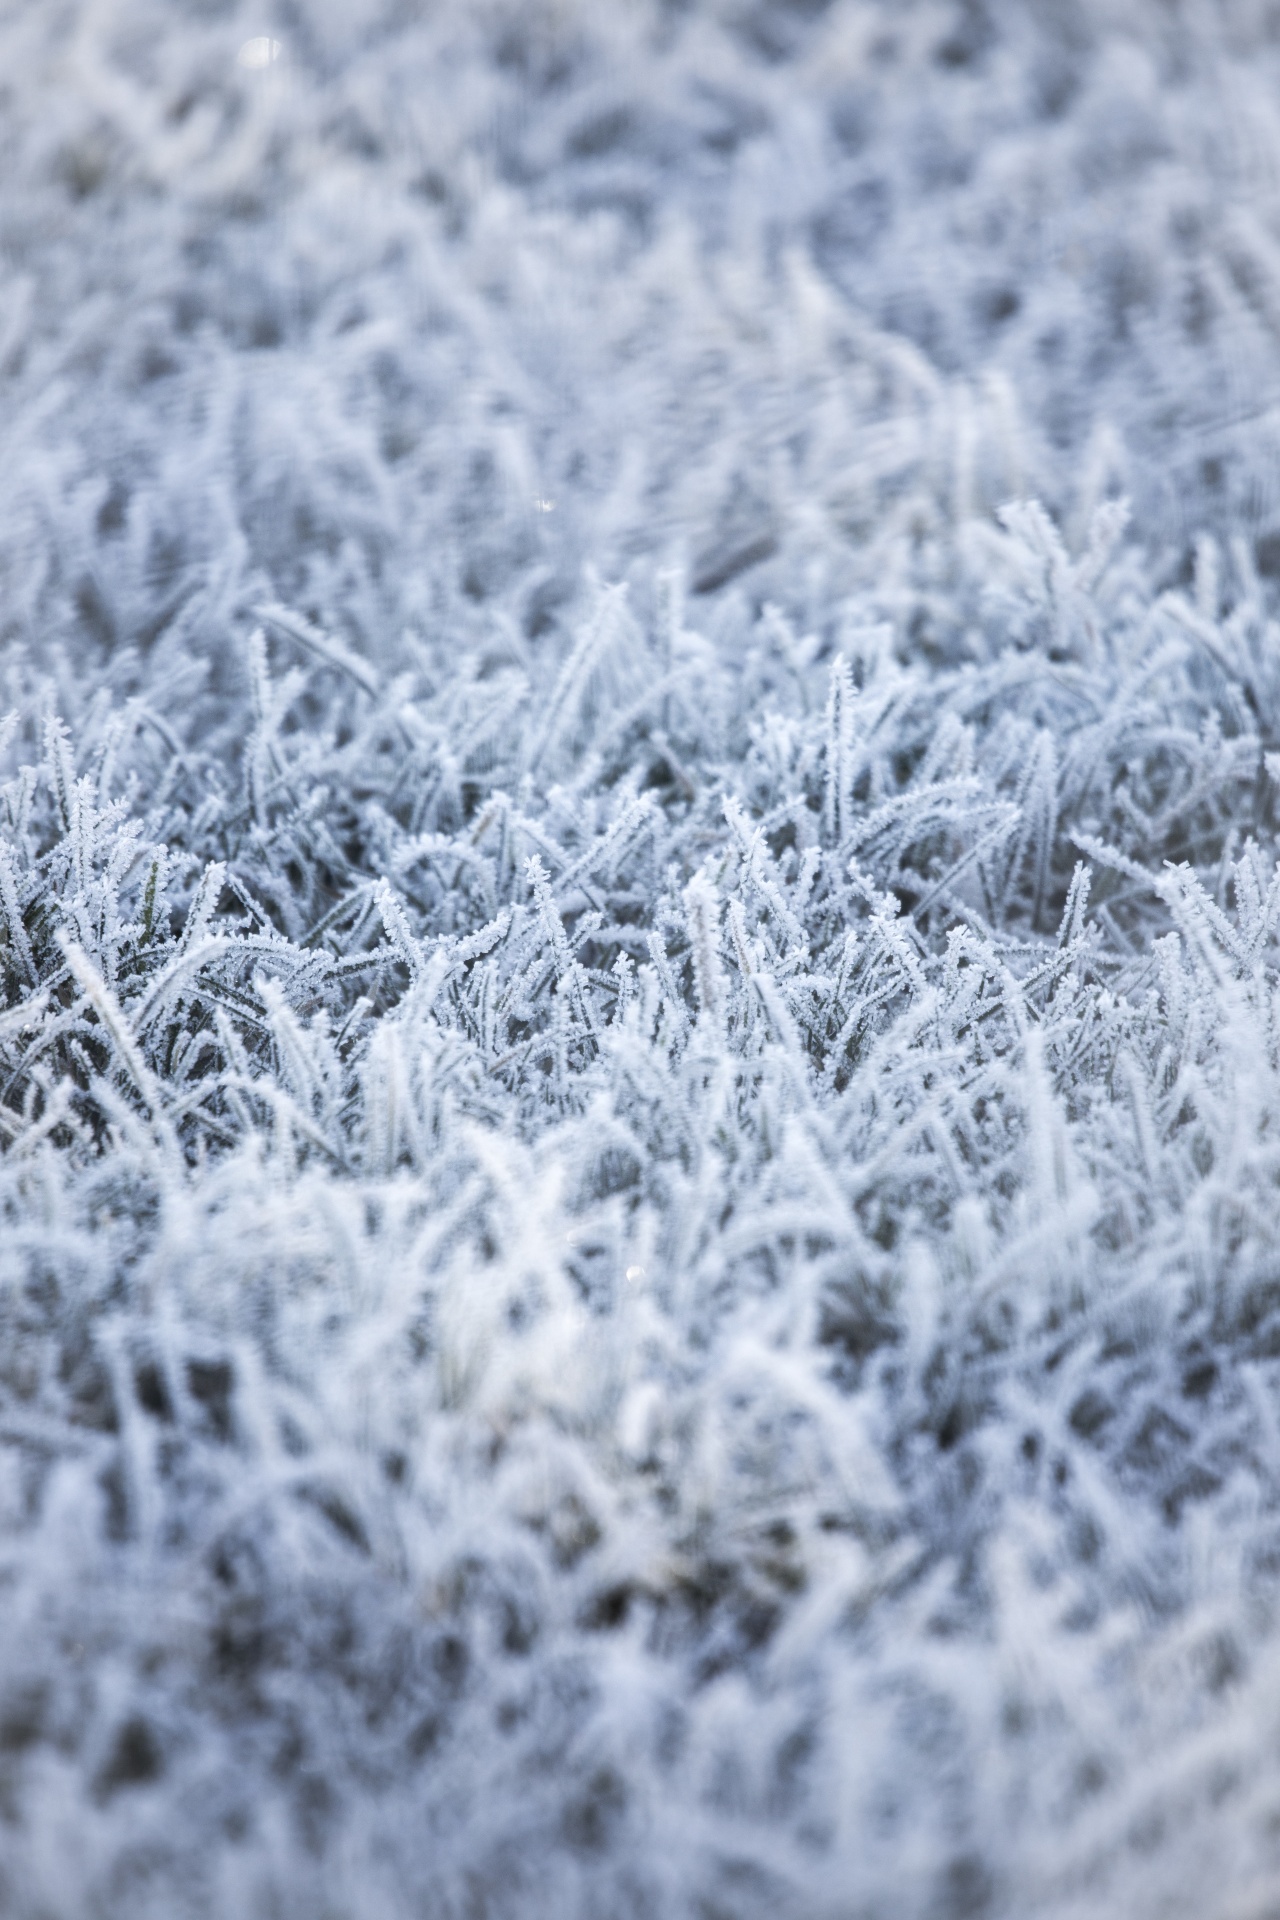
[{"x": 639, "y": 1055}]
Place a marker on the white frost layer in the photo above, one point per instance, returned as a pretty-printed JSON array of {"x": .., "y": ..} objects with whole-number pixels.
[{"x": 639, "y": 1075}]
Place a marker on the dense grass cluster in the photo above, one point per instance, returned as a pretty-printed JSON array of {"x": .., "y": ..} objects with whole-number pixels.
[{"x": 639, "y": 1047}]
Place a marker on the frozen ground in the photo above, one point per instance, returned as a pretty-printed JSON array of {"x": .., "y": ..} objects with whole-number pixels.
[{"x": 640, "y": 1056}]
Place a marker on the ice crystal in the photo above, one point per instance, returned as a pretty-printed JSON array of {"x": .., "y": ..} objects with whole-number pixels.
[{"x": 639, "y": 959}]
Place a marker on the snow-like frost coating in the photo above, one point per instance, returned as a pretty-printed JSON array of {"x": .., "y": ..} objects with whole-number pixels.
[{"x": 639, "y": 1050}]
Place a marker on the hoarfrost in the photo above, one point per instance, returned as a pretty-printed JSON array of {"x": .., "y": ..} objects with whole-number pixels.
[{"x": 637, "y": 1207}]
